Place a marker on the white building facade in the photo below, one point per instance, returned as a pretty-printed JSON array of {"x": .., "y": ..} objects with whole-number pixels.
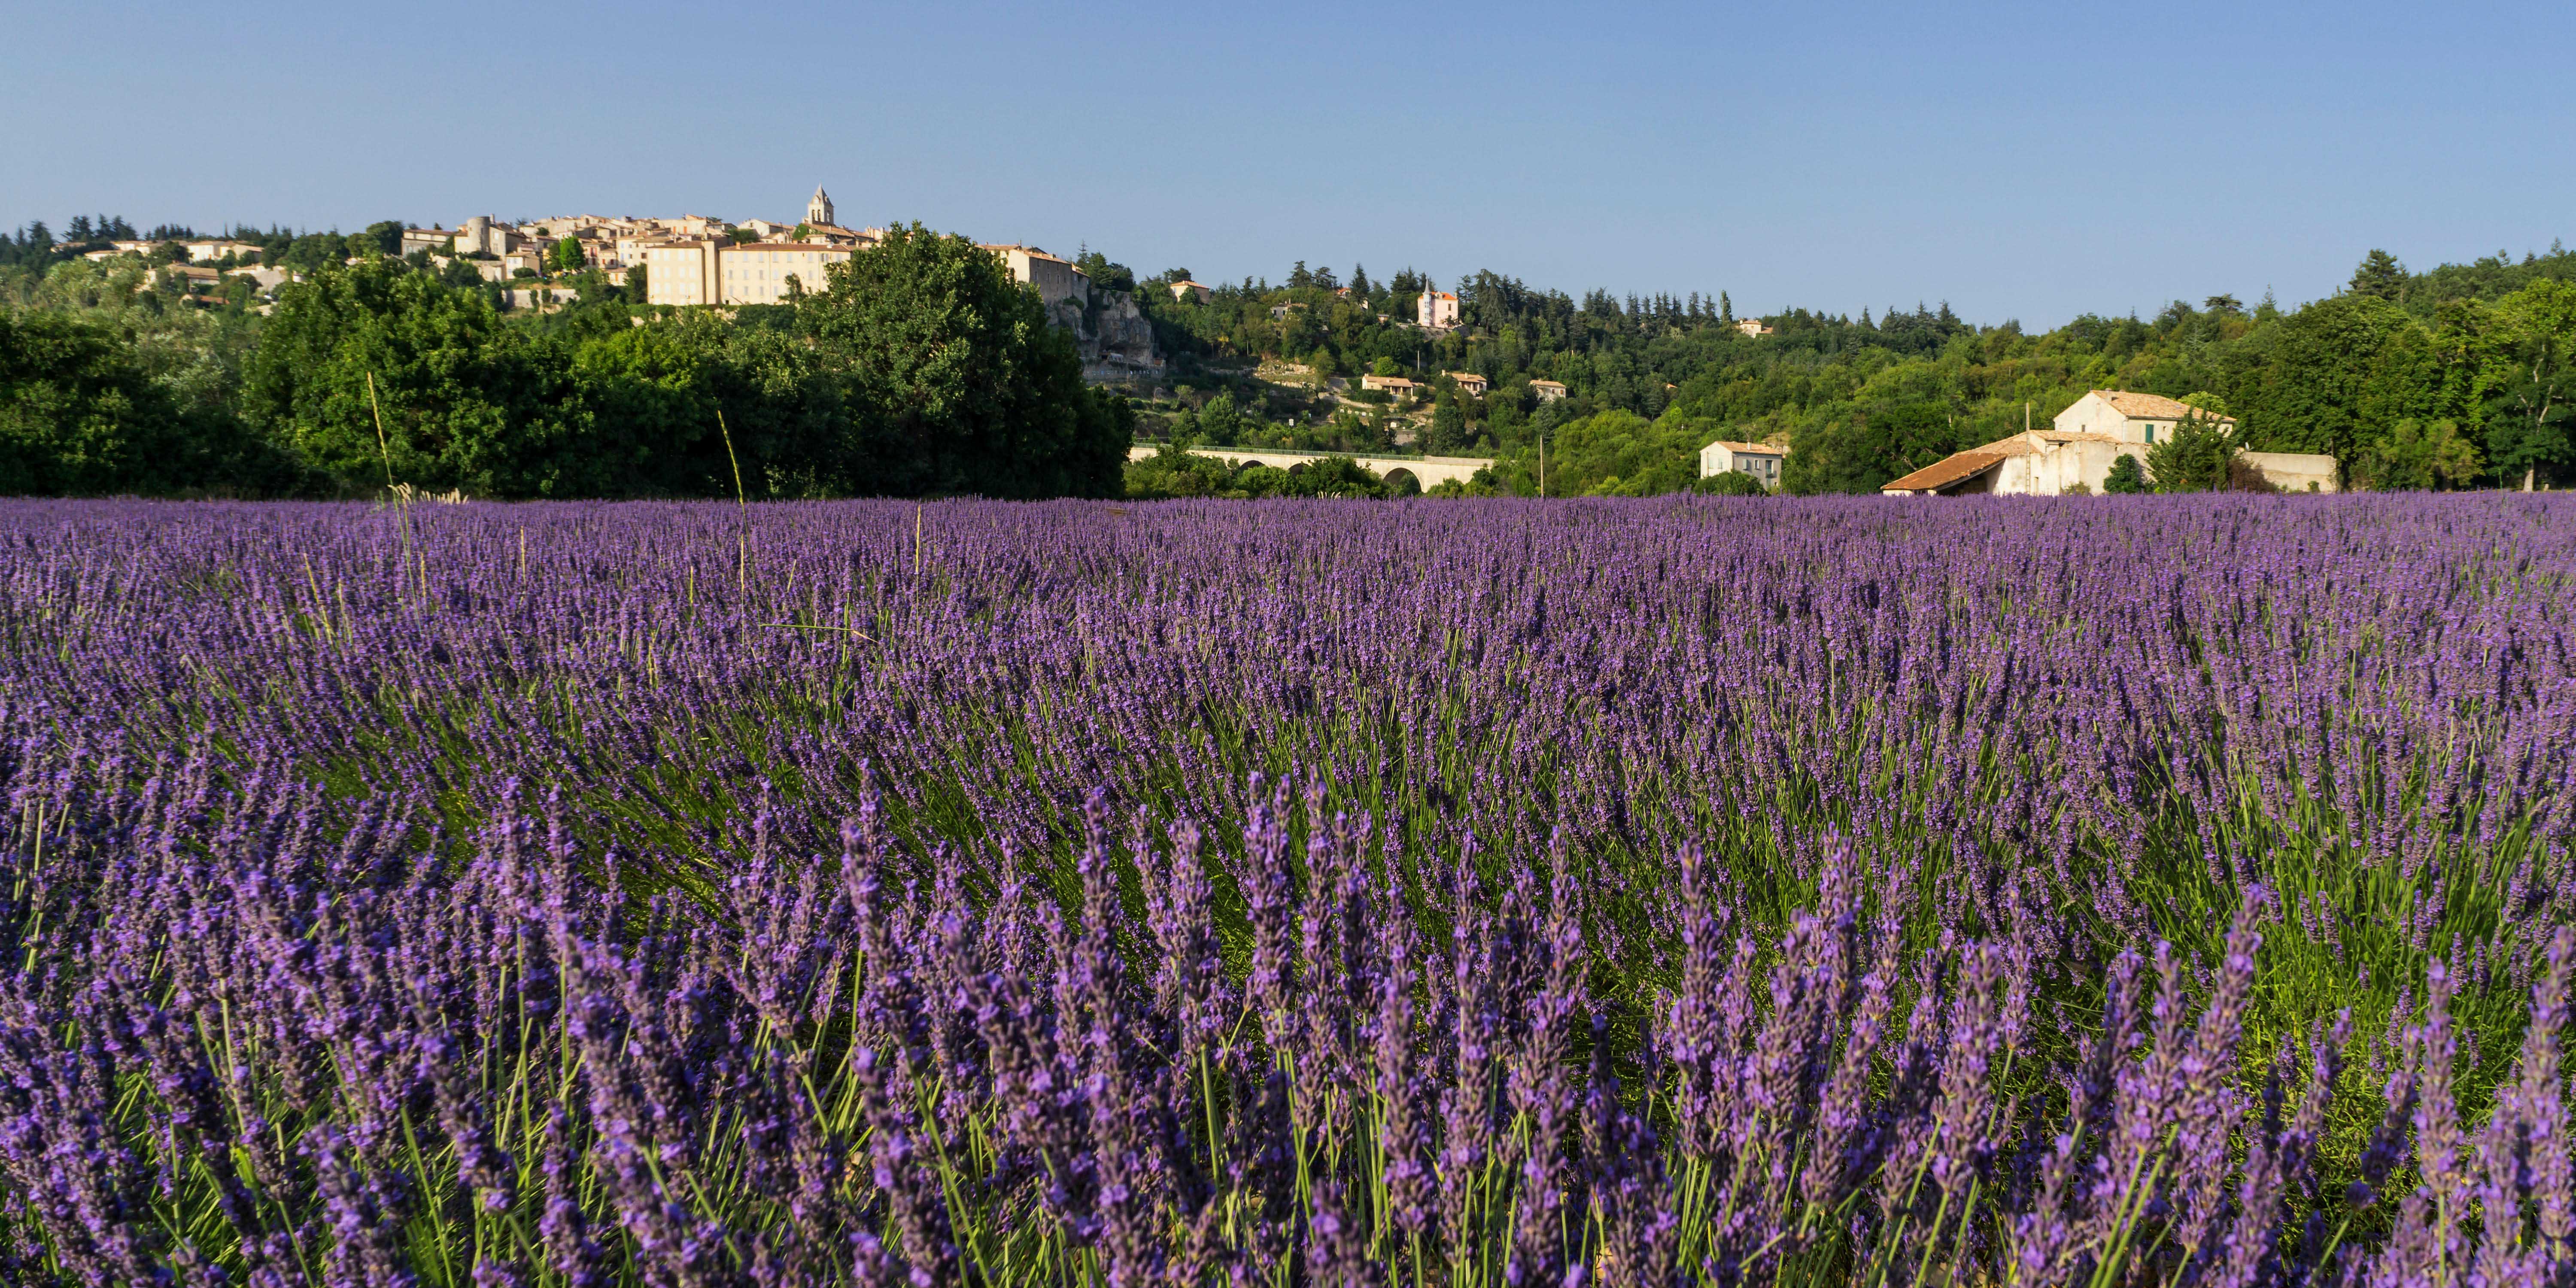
[
  {"x": 1761, "y": 460},
  {"x": 689, "y": 273},
  {"x": 2130, "y": 417}
]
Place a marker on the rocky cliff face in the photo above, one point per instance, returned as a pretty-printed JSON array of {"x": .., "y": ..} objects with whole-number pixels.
[{"x": 1113, "y": 336}]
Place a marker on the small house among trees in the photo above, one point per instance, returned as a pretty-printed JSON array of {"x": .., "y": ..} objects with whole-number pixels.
[{"x": 1760, "y": 460}]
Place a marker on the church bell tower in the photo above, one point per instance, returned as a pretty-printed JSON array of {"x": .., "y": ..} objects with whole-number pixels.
[{"x": 818, "y": 212}]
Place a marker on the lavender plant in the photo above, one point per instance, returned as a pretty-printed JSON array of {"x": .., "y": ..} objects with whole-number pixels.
[{"x": 1501, "y": 894}]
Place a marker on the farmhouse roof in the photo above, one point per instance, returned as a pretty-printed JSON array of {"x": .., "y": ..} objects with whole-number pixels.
[
  {"x": 1765, "y": 449},
  {"x": 2152, "y": 406},
  {"x": 1951, "y": 470}
]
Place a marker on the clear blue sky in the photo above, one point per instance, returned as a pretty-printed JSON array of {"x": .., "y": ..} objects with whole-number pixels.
[{"x": 2020, "y": 161}]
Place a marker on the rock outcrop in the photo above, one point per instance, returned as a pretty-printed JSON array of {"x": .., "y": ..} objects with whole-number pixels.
[{"x": 1114, "y": 337}]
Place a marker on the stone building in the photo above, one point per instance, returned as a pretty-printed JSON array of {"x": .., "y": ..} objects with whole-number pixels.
[
  {"x": 721, "y": 271},
  {"x": 432, "y": 239},
  {"x": 1057, "y": 280},
  {"x": 1761, "y": 460},
  {"x": 214, "y": 248},
  {"x": 2041, "y": 462},
  {"x": 2129, "y": 417},
  {"x": 482, "y": 235},
  {"x": 2049, "y": 462}
]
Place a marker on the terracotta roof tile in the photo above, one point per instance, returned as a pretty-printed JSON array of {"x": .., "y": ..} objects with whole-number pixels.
[
  {"x": 2155, "y": 406},
  {"x": 1956, "y": 468}
]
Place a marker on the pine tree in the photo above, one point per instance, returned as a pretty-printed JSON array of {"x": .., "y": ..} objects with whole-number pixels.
[
  {"x": 1725, "y": 309},
  {"x": 2380, "y": 276}
]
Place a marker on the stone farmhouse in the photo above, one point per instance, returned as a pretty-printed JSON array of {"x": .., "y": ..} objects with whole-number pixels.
[
  {"x": 1761, "y": 460},
  {"x": 2077, "y": 452},
  {"x": 1469, "y": 383},
  {"x": 1547, "y": 390},
  {"x": 2129, "y": 417}
]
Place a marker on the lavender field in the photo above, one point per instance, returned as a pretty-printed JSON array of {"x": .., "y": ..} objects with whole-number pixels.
[{"x": 1473, "y": 895}]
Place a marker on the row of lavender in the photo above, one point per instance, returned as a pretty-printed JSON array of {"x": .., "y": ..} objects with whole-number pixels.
[{"x": 1669, "y": 892}]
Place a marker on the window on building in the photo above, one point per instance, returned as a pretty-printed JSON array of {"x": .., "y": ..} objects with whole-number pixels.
[{"x": 2151, "y": 433}]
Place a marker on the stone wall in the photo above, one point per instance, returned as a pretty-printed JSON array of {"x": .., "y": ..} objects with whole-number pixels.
[{"x": 2294, "y": 471}]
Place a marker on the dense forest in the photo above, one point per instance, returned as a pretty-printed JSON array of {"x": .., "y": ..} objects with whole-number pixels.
[{"x": 924, "y": 370}]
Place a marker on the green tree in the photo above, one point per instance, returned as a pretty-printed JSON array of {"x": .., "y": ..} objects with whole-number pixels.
[
  {"x": 2196, "y": 457},
  {"x": 957, "y": 382},
  {"x": 80, "y": 416},
  {"x": 2418, "y": 456},
  {"x": 2333, "y": 375},
  {"x": 1862, "y": 448},
  {"x": 2380, "y": 277},
  {"x": 465, "y": 402},
  {"x": 659, "y": 388},
  {"x": 1221, "y": 423},
  {"x": 2528, "y": 376},
  {"x": 2127, "y": 477},
  {"x": 1175, "y": 472},
  {"x": 1386, "y": 367},
  {"x": 1104, "y": 275},
  {"x": 1448, "y": 427},
  {"x": 566, "y": 256}
]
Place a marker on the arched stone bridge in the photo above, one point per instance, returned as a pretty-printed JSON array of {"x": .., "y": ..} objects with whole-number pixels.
[{"x": 1429, "y": 471}]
